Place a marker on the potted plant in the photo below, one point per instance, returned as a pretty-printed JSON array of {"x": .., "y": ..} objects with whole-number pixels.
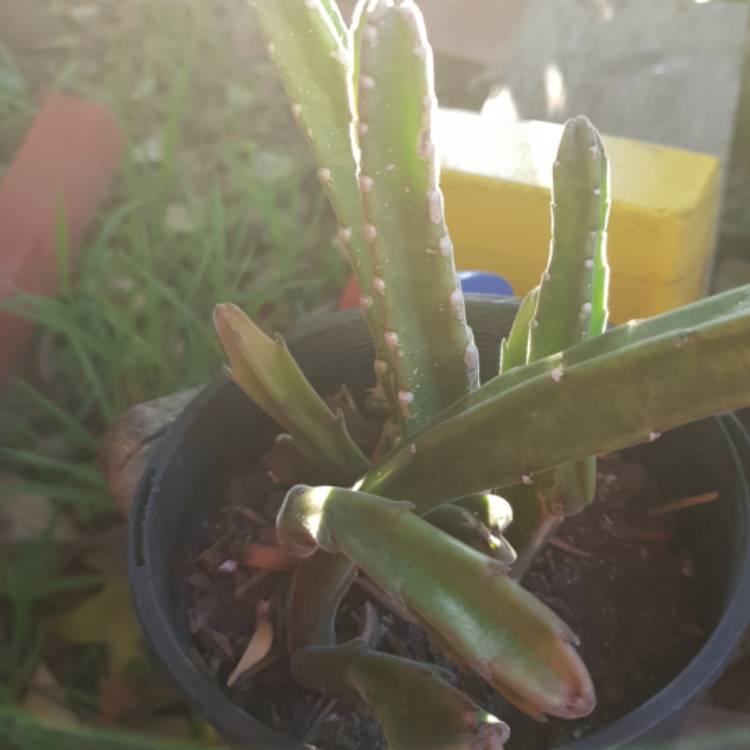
[{"x": 567, "y": 391}]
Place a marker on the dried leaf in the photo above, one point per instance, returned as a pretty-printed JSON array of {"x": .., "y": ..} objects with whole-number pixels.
[
  {"x": 258, "y": 648},
  {"x": 268, "y": 557}
]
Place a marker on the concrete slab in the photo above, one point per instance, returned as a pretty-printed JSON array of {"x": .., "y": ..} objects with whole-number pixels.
[
  {"x": 476, "y": 35},
  {"x": 730, "y": 273},
  {"x": 666, "y": 72}
]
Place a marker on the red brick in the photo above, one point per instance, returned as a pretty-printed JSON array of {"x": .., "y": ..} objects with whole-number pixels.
[{"x": 67, "y": 158}]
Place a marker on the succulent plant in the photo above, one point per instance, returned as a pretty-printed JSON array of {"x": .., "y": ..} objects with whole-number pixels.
[{"x": 567, "y": 391}]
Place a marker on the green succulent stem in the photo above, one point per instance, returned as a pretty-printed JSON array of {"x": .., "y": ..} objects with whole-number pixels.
[
  {"x": 483, "y": 619},
  {"x": 636, "y": 381},
  {"x": 319, "y": 583},
  {"x": 433, "y": 360},
  {"x": 572, "y": 299},
  {"x": 573, "y": 294},
  {"x": 569, "y": 306},
  {"x": 417, "y": 708}
]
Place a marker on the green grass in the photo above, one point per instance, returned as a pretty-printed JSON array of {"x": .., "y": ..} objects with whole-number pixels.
[
  {"x": 225, "y": 208},
  {"x": 132, "y": 319},
  {"x": 26, "y": 579}
]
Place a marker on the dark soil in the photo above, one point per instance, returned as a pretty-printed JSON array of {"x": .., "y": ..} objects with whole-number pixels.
[{"x": 615, "y": 574}]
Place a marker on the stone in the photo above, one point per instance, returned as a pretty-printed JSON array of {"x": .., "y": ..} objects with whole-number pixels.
[
  {"x": 129, "y": 443},
  {"x": 475, "y": 35}
]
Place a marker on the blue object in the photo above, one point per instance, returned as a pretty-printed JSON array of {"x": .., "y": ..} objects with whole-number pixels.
[{"x": 479, "y": 282}]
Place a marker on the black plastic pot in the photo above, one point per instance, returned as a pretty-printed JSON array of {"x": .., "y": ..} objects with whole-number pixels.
[{"x": 221, "y": 433}]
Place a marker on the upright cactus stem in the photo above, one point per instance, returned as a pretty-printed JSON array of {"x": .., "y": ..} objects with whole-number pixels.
[
  {"x": 432, "y": 357},
  {"x": 306, "y": 41},
  {"x": 572, "y": 298},
  {"x": 572, "y": 302},
  {"x": 309, "y": 45}
]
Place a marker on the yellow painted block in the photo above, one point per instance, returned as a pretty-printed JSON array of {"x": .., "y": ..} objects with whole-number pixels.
[{"x": 496, "y": 180}]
